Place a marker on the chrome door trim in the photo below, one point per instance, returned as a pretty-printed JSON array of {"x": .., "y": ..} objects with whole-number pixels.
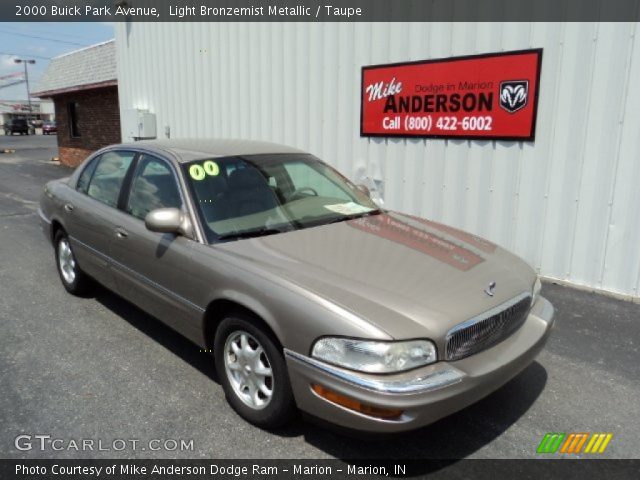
[{"x": 141, "y": 277}]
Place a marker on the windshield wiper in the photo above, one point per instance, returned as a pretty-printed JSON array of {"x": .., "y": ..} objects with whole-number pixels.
[
  {"x": 354, "y": 216},
  {"x": 251, "y": 233}
]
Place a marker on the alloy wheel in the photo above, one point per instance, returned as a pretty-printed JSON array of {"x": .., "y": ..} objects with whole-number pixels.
[
  {"x": 248, "y": 369},
  {"x": 66, "y": 261}
]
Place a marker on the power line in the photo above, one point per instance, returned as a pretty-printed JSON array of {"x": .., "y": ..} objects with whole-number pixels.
[
  {"x": 44, "y": 38},
  {"x": 23, "y": 55},
  {"x": 57, "y": 34}
]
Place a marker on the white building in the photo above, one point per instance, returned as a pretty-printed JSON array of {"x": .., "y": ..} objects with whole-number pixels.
[{"x": 567, "y": 202}]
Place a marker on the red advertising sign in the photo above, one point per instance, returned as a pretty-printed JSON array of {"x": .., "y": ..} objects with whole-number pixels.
[{"x": 489, "y": 96}]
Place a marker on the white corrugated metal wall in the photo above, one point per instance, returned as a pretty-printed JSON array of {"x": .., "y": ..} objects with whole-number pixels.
[{"x": 568, "y": 203}]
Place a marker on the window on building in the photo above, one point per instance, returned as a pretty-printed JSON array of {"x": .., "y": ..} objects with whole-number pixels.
[
  {"x": 154, "y": 186},
  {"x": 73, "y": 119}
]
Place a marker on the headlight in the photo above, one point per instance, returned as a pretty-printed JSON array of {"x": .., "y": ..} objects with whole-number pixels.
[
  {"x": 374, "y": 357},
  {"x": 536, "y": 290}
]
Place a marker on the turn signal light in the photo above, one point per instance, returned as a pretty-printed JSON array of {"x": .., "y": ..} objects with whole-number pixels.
[{"x": 356, "y": 405}]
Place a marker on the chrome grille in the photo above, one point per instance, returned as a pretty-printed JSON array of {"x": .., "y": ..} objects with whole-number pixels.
[{"x": 488, "y": 329}]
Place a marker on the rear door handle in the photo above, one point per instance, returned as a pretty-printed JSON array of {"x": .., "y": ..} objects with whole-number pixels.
[
  {"x": 121, "y": 233},
  {"x": 68, "y": 207}
]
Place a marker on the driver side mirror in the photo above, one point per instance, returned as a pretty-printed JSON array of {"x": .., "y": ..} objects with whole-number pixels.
[
  {"x": 168, "y": 220},
  {"x": 364, "y": 189}
]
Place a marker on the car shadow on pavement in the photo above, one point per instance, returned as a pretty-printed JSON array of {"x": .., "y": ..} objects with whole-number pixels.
[
  {"x": 158, "y": 331},
  {"x": 450, "y": 439}
]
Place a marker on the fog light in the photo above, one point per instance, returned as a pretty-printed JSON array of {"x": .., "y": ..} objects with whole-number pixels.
[{"x": 356, "y": 405}]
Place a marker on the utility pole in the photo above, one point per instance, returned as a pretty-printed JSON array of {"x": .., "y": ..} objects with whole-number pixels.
[{"x": 26, "y": 78}]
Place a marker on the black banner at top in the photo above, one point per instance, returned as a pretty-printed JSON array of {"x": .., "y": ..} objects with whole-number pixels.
[{"x": 317, "y": 10}]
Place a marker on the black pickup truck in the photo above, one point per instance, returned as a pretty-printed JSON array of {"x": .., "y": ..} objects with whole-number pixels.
[{"x": 16, "y": 125}]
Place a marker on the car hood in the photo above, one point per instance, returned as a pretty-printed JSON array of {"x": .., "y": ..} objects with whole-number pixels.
[{"x": 408, "y": 276}]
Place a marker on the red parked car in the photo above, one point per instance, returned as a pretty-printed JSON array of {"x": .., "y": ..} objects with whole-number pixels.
[{"x": 49, "y": 127}]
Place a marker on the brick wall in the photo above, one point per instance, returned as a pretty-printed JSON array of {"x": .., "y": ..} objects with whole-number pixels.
[{"x": 98, "y": 122}]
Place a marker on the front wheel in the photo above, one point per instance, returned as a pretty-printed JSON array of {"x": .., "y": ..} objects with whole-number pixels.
[
  {"x": 253, "y": 372},
  {"x": 74, "y": 280}
]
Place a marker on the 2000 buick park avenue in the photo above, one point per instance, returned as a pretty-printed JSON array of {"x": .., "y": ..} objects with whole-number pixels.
[{"x": 309, "y": 294}]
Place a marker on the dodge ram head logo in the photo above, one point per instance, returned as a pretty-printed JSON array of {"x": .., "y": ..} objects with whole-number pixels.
[{"x": 514, "y": 94}]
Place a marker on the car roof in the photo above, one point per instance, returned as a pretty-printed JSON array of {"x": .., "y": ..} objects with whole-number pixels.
[{"x": 186, "y": 150}]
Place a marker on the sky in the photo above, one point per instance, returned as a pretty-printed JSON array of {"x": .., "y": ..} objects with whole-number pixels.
[{"x": 42, "y": 41}]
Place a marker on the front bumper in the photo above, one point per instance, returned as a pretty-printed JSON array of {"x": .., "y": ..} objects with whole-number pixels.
[{"x": 426, "y": 394}]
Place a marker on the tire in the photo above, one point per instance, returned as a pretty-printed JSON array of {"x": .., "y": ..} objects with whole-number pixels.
[
  {"x": 74, "y": 280},
  {"x": 246, "y": 390}
]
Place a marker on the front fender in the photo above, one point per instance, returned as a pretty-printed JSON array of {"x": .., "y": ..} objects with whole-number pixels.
[{"x": 296, "y": 315}]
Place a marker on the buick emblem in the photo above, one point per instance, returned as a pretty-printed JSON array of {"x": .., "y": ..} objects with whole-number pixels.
[
  {"x": 514, "y": 95},
  {"x": 490, "y": 290}
]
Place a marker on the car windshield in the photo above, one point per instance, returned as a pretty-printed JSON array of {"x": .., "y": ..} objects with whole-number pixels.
[{"x": 255, "y": 195}]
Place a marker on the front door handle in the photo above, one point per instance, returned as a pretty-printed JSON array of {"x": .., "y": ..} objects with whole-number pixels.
[
  {"x": 121, "y": 233},
  {"x": 68, "y": 207}
]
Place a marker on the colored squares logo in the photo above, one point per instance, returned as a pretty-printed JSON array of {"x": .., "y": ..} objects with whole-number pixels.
[{"x": 574, "y": 443}]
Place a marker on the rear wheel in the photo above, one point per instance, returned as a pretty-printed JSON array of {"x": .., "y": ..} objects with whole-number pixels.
[
  {"x": 252, "y": 371},
  {"x": 74, "y": 280}
]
